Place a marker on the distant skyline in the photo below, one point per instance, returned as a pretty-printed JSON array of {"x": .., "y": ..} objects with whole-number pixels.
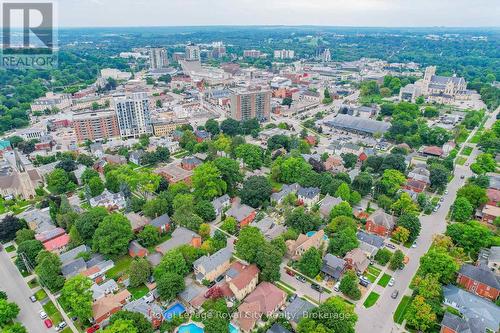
[{"x": 367, "y": 13}]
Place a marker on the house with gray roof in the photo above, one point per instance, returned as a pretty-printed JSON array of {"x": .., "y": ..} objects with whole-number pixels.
[
  {"x": 71, "y": 255},
  {"x": 243, "y": 214},
  {"x": 210, "y": 267},
  {"x": 162, "y": 223},
  {"x": 103, "y": 289},
  {"x": 308, "y": 195},
  {"x": 456, "y": 324},
  {"x": 371, "y": 239},
  {"x": 277, "y": 328},
  {"x": 297, "y": 309},
  {"x": 472, "y": 306},
  {"x": 285, "y": 190},
  {"x": 326, "y": 205},
  {"x": 73, "y": 268},
  {"x": 269, "y": 228},
  {"x": 479, "y": 280},
  {"x": 220, "y": 204},
  {"x": 333, "y": 266},
  {"x": 152, "y": 311},
  {"x": 490, "y": 258},
  {"x": 38, "y": 220},
  {"x": 180, "y": 236}
]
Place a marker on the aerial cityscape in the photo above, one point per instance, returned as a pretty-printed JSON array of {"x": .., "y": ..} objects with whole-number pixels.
[{"x": 225, "y": 170}]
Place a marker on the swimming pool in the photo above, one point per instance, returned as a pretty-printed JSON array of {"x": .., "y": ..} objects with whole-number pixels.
[
  {"x": 190, "y": 328},
  {"x": 311, "y": 233},
  {"x": 233, "y": 329},
  {"x": 176, "y": 309}
]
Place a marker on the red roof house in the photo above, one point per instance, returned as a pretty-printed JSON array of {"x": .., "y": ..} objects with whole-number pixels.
[{"x": 58, "y": 244}]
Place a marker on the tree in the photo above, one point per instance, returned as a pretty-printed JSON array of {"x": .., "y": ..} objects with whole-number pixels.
[
  {"x": 48, "y": 270},
  {"x": 438, "y": 176},
  {"x": 342, "y": 242},
  {"x": 230, "y": 127},
  {"x": 401, "y": 234},
  {"x": 205, "y": 210},
  {"x": 394, "y": 162},
  {"x": 88, "y": 174},
  {"x": 30, "y": 250},
  {"x": 349, "y": 285},
  {"x": 472, "y": 236},
  {"x": 121, "y": 326},
  {"x": 249, "y": 243},
  {"x": 327, "y": 315},
  {"x": 439, "y": 262},
  {"x": 349, "y": 160},
  {"x": 383, "y": 256},
  {"x": 342, "y": 209},
  {"x": 256, "y": 191},
  {"x": 9, "y": 226},
  {"x": 230, "y": 225},
  {"x": 404, "y": 205},
  {"x": 77, "y": 294},
  {"x": 212, "y": 126},
  {"x": 140, "y": 322},
  {"x": 461, "y": 210},
  {"x": 420, "y": 314},
  {"x": 169, "y": 285},
  {"x": 148, "y": 236},
  {"x": 229, "y": 172},
  {"x": 217, "y": 316},
  {"x": 396, "y": 261},
  {"x": 343, "y": 192},
  {"x": 87, "y": 223},
  {"x": 155, "y": 207},
  {"x": 390, "y": 182},
  {"x": 24, "y": 235},
  {"x": 290, "y": 170},
  {"x": 428, "y": 286},
  {"x": 411, "y": 223},
  {"x": 172, "y": 262},
  {"x": 431, "y": 112},
  {"x": 269, "y": 261},
  {"x": 484, "y": 163},
  {"x": 59, "y": 181},
  {"x": 139, "y": 272},
  {"x": 207, "y": 181},
  {"x": 96, "y": 186},
  {"x": 363, "y": 183},
  {"x": 474, "y": 194},
  {"x": 204, "y": 231},
  {"x": 113, "y": 235},
  {"x": 8, "y": 312},
  {"x": 310, "y": 263},
  {"x": 15, "y": 328},
  {"x": 302, "y": 221},
  {"x": 251, "y": 155},
  {"x": 340, "y": 223}
]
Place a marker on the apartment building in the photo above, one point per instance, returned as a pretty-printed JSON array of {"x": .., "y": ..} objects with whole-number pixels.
[
  {"x": 250, "y": 103},
  {"x": 96, "y": 125},
  {"x": 134, "y": 118}
]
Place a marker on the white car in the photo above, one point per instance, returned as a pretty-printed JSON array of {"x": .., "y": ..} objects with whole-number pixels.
[
  {"x": 391, "y": 282},
  {"x": 42, "y": 314},
  {"x": 336, "y": 287},
  {"x": 414, "y": 245}
]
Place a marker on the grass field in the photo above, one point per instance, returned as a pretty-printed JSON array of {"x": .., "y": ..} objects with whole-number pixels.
[
  {"x": 52, "y": 312},
  {"x": 460, "y": 160},
  {"x": 121, "y": 266},
  {"x": 384, "y": 280},
  {"x": 399, "y": 315},
  {"x": 138, "y": 292},
  {"x": 466, "y": 151},
  {"x": 40, "y": 295},
  {"x": 372, "y": 273},
  {"x": 287, "y": 285},
  {"x": 476, "y": 137},
  {"x": 10, "y": 248},
  {"x": 371, "y": 299},
  {"x": 33, "y": 283}
]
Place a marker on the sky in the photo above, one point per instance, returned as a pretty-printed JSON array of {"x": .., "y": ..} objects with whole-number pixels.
[{"x": 377, "y": 13}]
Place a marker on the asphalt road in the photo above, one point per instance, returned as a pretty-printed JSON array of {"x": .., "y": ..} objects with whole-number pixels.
[
  {"x": 379, "y": 318},
  {"x": 18, "y": 291}
]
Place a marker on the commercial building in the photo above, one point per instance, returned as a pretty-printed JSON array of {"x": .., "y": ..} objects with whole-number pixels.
[
  {"x": 252, "y": 54},
  {"x": 134, "y": 118},
  {"x": 192, "y": 52},
  {"x": 96, "y": 125},
  {"x": 165, "y": 127},
  {"x": 158, "y": 58},
  {"x": 251, "y": 103},
  {"x": 51, "y": 101},
  {"x": 284, "y": 54},
  {"x": 358, "y": 125}
]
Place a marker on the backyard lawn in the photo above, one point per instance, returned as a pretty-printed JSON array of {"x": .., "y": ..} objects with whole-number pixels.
[
  {"x": 52, "y": 312},
  {"x": 399, "y": 315},
  {"x": 372, "y": 273},
  {"x": 371, "y": 299},
  {"x": 466, "y": 151},
  {"x": 460, "y": 160},
  {"x": 121, "y": 266},
  {"x": 138, "y": 292},
  {"x": 384, "y": 280},
  {"x": 40, "y": 295}
]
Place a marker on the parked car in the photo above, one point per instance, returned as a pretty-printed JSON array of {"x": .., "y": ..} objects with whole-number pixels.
[
  {"x": 93, "y": 328},
  {"x": 364, "y": 282},
  {"x": 292, "y": 298},
  {"x": 414, "y": 245},
  {"x": 61, "y": 326},
  {"x": 42, "y": 314},
  {"x": 336, "y": 287},
  {"x": 301, "y": 278},
  {"x": 33, "y": 298},
  {"x": 445, "y": 191},
  {"x": 462, "y": 177},
  {"x": 211, "y": 284},
  {"x": 395, "y": 294},
  {"x": 289, "y": 272},
  {"x": 391, "y": 246},
  {"x": 219, "y": 278},
  {"x": 48, "y": 323},
  {"x": 317, "y": 287},
  {"x": 391, "y": 282}
]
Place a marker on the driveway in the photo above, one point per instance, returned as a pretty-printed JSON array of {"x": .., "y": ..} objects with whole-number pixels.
[{"x": 18, "y": 291}]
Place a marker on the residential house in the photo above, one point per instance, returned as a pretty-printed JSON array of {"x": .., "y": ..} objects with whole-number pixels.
[
  {"x": 432, "y": 151},
  {"x": 110, "y": 201},
  {"x": 351, "y": 148},
  {"x": 380, "y": 223},
  {"x": 308, "y": 196},
  {"x": 369, "y": 243},
  {"x": 97, "y": 273},
  {"x": 101, "y": 290},
  {"x": 243, "y": 214},
  {"x": 152, "y": 311},
  {"x": 414, "y": 185},
  {"x": 479, "y": 280},
  {"x": 72, "y": 254},
  {"x": 115, "y": 159},
  {"x": 73, "y": 267},
  {"x": 38, "y": 220},
  {"x": 180, "y": 236},
  {"x": 311, "y": 140},
  {"x": 277, "y": 328},
  {"x": 266, "y": 299},
  {"x": 285, "y": 191},
  {"x": 296, "y": 310},
  {"x": 58, "y": 244},
  {"x": 106, "y": 306},
  {"x": 201, "y": 135},
  {"x": 136, "y": 250},
  {"x": 162, "y": 223},
  {"x": 454, "y": 324},
  {"x": 493, "y": 196},
  {"x": 190, "y": 162},
  {"x": 334, "y": 164},
  {"x": 136, "y": 157},
  {"x": 333, "y": 266},
  {"x": 296, "y": 248},
  {"x": 494, "y": 180},
  {"x": 97, "y": 150},
  {"x": 242, "y": 279},
  {"x": 421, "y": 174},
  {"x": 327, "y": 204},
  {"x": 490, "y": 258},
  {"x": 356, "y": 260},
  {"x": 221, "y": 203},
  {"x": 269, "y": 228},
  {"x": 490, "y": 213},
  {"x": 137, "y": 221},
  {"x": 448, "y": 147},
  {"x": 79, "y": 172},
  {"x": 208, "y": 268},
  {"x": 472, "y": 307},
  {"x": 174, "y": 173}
]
